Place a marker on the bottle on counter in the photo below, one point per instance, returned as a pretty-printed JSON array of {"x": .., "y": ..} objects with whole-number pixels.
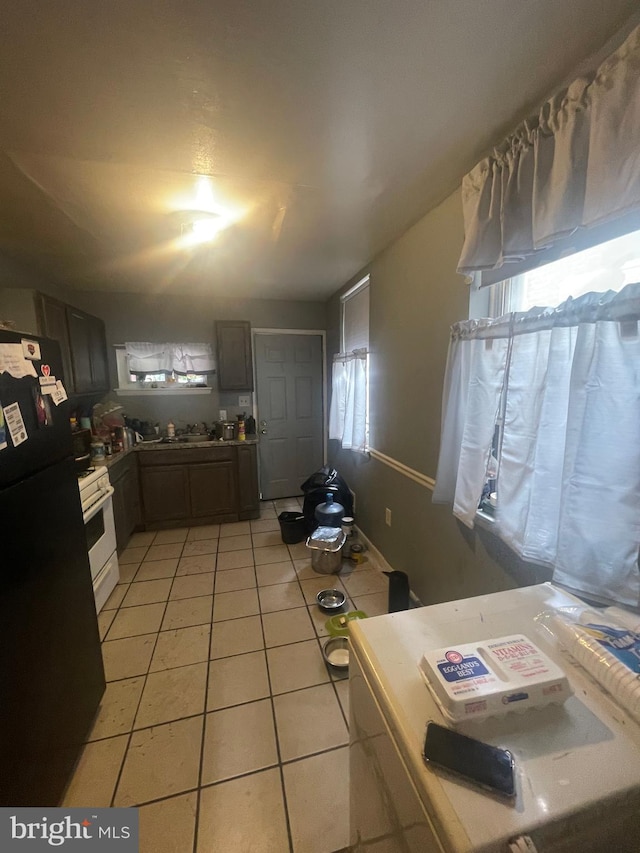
[
  {"x": 97, "y": 452},
  {"x": 241, "y": 430},
  {"x": 171, "y": 430}
]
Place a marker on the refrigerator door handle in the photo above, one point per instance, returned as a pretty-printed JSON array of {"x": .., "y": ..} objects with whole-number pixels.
[{"x": 93, "y": 509}]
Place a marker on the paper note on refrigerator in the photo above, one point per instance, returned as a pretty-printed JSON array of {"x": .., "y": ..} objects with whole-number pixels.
[
  {"x": 15, "y": 424},
  {"x": 12, "y": 361},
  {"x": 3, "y": 431},
  {"x": 58, "y": 394}
]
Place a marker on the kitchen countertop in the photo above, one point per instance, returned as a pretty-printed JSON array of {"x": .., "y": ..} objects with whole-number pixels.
[
  {"x": 145, "y": 446},
  {"x": 185, "y": 445}
]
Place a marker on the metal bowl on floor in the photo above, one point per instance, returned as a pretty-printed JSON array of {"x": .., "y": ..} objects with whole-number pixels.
[
  {"x": 336, "y": 652},
  {"x": 330, "y": 599}
]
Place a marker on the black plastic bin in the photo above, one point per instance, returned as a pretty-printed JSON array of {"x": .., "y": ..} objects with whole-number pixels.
[{"x": 292, "y": 527}]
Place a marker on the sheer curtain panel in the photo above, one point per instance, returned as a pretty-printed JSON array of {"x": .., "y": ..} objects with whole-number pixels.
[
  {"x": 348, "y": 413},
  {"x": 564, "y": 387}
]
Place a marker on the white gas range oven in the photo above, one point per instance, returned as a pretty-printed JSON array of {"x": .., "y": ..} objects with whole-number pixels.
[{"x": 97, "y": 512}]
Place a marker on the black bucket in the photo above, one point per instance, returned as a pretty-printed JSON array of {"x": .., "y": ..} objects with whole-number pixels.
[{"x": 292, "y": 527}]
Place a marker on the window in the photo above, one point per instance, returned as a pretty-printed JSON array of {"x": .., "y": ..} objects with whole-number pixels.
[
  {"x": 609, "y": 266},
  {"x": 349, "y": 414},
  {"x": 540, "y": 421},
  {"x": 355, "y": 317},
  {"x": 163, "y": 367}
]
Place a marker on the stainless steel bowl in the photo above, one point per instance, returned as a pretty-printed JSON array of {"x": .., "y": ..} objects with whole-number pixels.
[
  {"x": 336, "y": 652},
  {"x": 330, "y": 599}
]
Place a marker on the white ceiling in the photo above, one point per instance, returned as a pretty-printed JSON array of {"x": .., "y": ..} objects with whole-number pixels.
[{"x": 332, "y": 125}]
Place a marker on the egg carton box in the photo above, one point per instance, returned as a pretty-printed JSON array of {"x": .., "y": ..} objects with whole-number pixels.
[{"x": 492, "y": 677}]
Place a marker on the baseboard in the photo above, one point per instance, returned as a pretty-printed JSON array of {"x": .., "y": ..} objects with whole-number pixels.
[{"x": 382, "y": 563}]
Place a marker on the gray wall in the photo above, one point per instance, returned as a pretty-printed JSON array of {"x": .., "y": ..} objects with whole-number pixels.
[
  {"x": 17, "y": 285},
  {"x": 140, "y": 317},
  {"x": 415, "y": 296}
]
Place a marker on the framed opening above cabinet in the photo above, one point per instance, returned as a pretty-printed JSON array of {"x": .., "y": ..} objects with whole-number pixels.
[{"x": 235, "y": 363}]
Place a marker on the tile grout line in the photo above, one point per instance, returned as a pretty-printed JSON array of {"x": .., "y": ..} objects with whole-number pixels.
[
  {"x": 274, "y": 722},
  {"x": 146, "y": 676},
  {"x": 196, "y": 823},
  {"x": 208, "y": 661}
]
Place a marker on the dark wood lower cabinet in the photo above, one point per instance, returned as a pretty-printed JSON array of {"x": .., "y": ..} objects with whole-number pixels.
[
  {"x": 198, "y": 486},
  {"x": 248, "y": 494},
  {"x": 165, "y": 493},
  {"x": 212, "y": 488},
  {"x": 126, "y": 498}
]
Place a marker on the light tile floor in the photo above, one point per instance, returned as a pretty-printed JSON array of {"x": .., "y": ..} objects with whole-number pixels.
[{"x": 221, "y": 720}]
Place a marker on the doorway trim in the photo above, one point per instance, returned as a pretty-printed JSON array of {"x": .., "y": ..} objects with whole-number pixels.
[{"x": 323, "y": 335}]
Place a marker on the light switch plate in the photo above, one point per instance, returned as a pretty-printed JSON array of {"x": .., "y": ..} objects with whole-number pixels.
[{"x": 244, "y": 401}]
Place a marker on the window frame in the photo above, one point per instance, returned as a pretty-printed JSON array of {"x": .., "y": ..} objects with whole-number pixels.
[{"x": 128, "y": 387}]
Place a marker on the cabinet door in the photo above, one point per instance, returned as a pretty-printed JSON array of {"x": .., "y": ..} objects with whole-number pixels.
[
  {"x": 212, "y": 488},
  {"x": 248, "y": 496},
  {"x": 120, "y": 513},
  {"x": 133, "y": 493},
  {"x": 98, "y": 355},
  {"x": 53, "y": 324},
  {"x": 165, "y": 492},
  {"x": 126, "y": 500},
  {"x": 80, "y": 343},
  {"x": 235, "y": 367},
  {"x": 88, "y": 352}
]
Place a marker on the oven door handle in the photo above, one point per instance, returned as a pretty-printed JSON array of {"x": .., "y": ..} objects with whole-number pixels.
[{"x": 94, "y": 508}]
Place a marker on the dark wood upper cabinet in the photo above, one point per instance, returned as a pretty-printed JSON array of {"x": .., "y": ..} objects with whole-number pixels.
[
  {"x": 52, "y": 322},
  {"x": 235, "y": 366},
  {"x": 88, "y": 351}
]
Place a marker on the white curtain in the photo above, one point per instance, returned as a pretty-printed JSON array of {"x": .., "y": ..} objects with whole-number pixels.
[
  {"x": 192, "y": 358},
  {"x": 574, "y": 164},
  {"x": 348, "y": 413},
  {"x": 145, "y": 357},
  {"x": 568, "y": 484},
  {"x": 473, "y": 386}
]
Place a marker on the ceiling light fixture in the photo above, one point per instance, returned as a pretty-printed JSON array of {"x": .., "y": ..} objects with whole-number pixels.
[{"x": 199, "y": 226}]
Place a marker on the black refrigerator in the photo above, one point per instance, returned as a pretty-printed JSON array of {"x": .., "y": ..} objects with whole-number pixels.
[{"x": 51, "y": 672}]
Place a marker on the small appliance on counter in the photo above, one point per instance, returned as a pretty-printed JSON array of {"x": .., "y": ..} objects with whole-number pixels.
[
  {"x": 225, "y": 430},
  {"x": 82, "y": 448}
]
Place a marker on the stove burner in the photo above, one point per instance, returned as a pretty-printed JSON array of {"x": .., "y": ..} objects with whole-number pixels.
[{"x": 85, "y": 473}]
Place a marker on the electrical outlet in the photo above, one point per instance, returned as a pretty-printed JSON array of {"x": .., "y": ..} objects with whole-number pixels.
[
  {"x": 387, "y": 516},
  {"x": 223, "y": 414},
  {"x": 244, "y": 401}
]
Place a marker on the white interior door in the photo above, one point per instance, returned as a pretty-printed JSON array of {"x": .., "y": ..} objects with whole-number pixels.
[{"x": 290, "y": 414}]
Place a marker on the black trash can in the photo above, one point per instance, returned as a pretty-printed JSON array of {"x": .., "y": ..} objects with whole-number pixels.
[{"x": 292, "y": 527}]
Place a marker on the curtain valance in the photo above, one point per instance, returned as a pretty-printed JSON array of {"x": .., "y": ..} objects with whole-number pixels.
[
  {"x": 575, "y": 164},
  {"x": 146, "y": 357}
]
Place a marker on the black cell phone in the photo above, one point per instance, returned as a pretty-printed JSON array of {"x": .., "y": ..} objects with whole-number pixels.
[{"x": 488, "y": 766}]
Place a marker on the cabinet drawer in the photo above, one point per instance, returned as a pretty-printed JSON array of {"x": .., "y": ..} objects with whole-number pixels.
[{"x": 186, "y": 456}]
